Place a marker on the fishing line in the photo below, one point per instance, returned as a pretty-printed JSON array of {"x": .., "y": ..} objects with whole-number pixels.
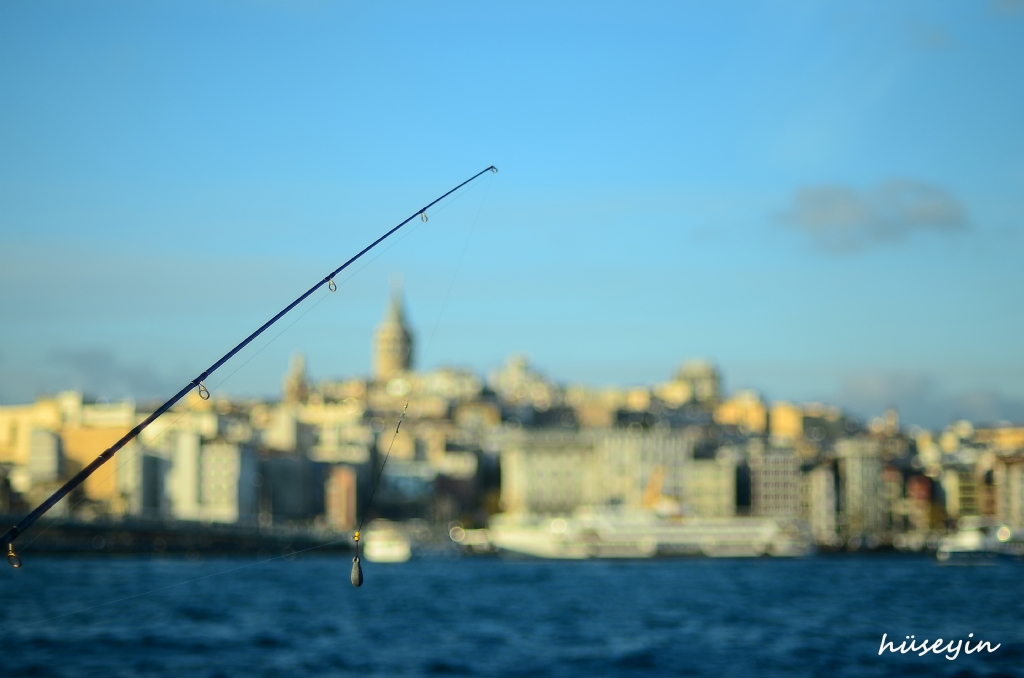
[
  {"x": 406, "y": 234},
  {"x": 357, "y": 572},
  {"x": 144, "y": 447},
  {"x": 342, "y": 283},
  {"x": 356, "y": 576},
  {"x": 458, "y": 266},
  {"x": 198, "y": 383},
  {"x": 192, "y": 406}
]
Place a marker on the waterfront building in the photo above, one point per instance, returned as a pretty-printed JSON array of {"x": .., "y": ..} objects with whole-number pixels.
[
  {"x": 960, "y": 487},
  {"x": 626, "y": 459},
  {"x": 340, "y": 497},
  {"x": 45, "y": 462},
  {"x": 822, "y": 503},
  {"x": 860, "y": 466},
  {"x": 919, "y": 503},
  {"x": 776, "y": 484},
  {"x": 291, "y": 489},
  {"x": 929, "y": 453},
  {"x": 46, "y": 442},
  {"x": 547, "y": 473},
  {"x": 710, "y": 487},
  {"x": 556, "y": 472},
  {"x": 1008, "y": 477},
  {"x": 894, "y": 509},
  {"x": 228, "y": 482},
  {"x": 211, "y": 480}
]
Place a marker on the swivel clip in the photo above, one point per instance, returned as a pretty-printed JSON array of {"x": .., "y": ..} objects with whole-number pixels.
[{"x": 13, "y": 559}]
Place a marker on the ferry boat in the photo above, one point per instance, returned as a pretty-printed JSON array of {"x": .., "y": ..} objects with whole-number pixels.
[
  {"x": 625, "y": 533},
  {"x": 978, "y": 541}
]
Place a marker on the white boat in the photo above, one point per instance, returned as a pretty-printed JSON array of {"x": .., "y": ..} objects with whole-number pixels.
[
  {"x": 977, "y": 541},
  {"x": 624, "y": 533},
  {"x": 384, "y": 543}
]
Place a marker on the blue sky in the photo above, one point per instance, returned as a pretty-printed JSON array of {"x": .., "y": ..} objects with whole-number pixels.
[{"x": 825, "y": 199}]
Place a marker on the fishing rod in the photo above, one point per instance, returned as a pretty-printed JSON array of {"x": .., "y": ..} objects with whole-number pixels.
[{"x": 15, "y": 561}]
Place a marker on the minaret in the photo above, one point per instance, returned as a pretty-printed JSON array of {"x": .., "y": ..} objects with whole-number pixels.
[{"x": 392, "y": 344}]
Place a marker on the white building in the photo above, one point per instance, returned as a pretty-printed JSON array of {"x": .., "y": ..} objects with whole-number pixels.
[
  {"x": 553, "y": 473},
  {"x": 212, "y": 481}
]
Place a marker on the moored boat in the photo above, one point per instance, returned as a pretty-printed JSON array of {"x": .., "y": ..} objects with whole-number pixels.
[
  {"x": 623, "y": 533},
  {"x": 383, "y": 542}
]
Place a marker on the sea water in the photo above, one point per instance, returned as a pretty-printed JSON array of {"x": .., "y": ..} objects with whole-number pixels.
[{"x": 815, "y": 616}]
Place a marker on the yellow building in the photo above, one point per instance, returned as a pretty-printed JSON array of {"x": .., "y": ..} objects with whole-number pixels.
[
  {"x": 595, "y": 408},
  {"x": 80, "y": 447},
  {"x": 696, "y": 380},
  {"x": 17, "y": 423},
  {"x": 674, "y": 393},
  {"x": 80, "y": 432},
  {"x": 786, "y": 421},
  {"x": 745, "y": 410},
  {"x": 1006, "y": 439}
]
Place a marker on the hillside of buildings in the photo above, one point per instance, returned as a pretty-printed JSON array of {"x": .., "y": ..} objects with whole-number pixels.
[{"x": 515, "y": 442}]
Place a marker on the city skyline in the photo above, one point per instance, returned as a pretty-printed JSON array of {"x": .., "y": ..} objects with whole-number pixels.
[
  {"x": 825, "y": 201},
  {"x": 394, "y": 342}
]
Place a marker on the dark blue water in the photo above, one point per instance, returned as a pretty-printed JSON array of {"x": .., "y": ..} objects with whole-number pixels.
[{"x": 820, "y": 616}]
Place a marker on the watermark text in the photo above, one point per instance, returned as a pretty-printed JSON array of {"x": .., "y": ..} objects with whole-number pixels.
[{"x": 950, "y": 649}]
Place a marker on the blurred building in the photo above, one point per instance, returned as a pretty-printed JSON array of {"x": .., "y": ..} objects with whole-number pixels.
[
  {"x": 860, "y": 504},
  {"x": 919, "y": 503},
  {"x": 392, "y": 343},
  {"x": 786, "y": 423},
  {"x": 710, "y": 487},
  {"x": 212, "y": 480},
  {"x": 552, "y": 472},
  {"x": 595, "y": 408},
  {"x": 341, "y": 498},
  {"x": 695, "y": 381},
  {"x": 822, "y": 504},
  {"x": 520, "y": 442},
  {"x": 1008, "y": 477},
  {"x": 775, "y": 481},
  {"x": 44, "y": 443},
  {"x": 746, "y": 411}
]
